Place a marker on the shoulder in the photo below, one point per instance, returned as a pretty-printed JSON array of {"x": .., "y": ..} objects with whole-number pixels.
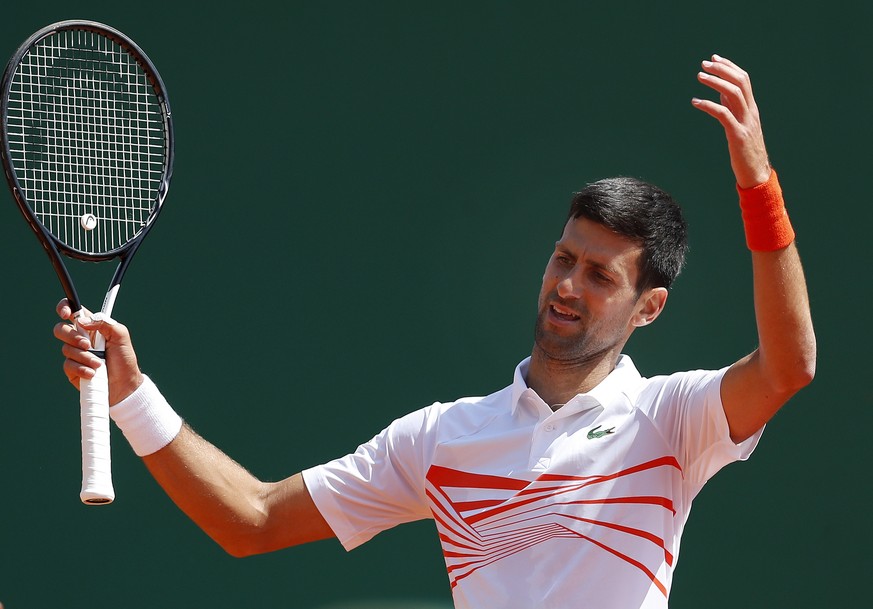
[
  {"x": 685, "y": 383},
  {"x": 456, "y": 418},
  {"x": 681, "y": 397}
]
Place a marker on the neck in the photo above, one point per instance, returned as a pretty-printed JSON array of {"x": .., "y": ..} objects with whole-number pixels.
[{"x": 558, "y": 381}]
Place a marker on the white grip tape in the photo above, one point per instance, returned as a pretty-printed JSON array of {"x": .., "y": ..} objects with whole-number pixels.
[
  {"x": 96, "y": 459},
  {"x": 146, "y": 418}
]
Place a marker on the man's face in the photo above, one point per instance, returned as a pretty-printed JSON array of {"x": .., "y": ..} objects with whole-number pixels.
[{"x": 588, "y": 304}]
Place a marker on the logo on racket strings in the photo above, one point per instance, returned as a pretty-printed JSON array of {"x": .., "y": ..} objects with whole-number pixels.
[{"x": 88, "y": 221}]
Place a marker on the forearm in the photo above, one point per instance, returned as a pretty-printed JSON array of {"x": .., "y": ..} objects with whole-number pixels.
[
  {"x": 218, "y": 494},
  {"x": 241, "y": 513},
  {"x": 784, "y": 362},
  {"x": 244, "y": 515},
  {"x": 786, "y": 339},
  {"x": 786, "y": 342}
]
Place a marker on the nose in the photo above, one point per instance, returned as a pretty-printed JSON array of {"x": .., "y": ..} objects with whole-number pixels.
[{"x": 569, "y": 289}]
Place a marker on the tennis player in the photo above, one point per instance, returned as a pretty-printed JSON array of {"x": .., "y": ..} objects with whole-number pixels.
[{"x": 574, "y": 481}]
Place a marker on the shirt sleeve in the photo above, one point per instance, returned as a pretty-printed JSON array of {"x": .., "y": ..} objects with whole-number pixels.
[
  {"x": 687, "y": 409},
  {"x": 378, "y": 486}
]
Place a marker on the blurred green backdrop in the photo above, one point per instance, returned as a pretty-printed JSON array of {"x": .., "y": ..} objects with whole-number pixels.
[{"x": 365, "y": 195}]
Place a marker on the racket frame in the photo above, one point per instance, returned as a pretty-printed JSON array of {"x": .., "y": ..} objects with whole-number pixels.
[
  {"x": 52, "y": 245},
  {"x": 55, "y": 247}
]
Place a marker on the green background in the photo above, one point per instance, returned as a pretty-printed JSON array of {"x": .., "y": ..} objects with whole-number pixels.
[{"x": 365, "y": 195}]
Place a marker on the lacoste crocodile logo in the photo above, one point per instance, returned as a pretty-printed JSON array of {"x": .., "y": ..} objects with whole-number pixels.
[{"x": 593, "y": 434}]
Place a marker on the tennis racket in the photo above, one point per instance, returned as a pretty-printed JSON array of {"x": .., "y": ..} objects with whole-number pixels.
[{"x": 87, "y": 149}]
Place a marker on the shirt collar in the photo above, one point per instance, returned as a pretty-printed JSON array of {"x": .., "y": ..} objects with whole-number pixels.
[
  {"x": 614, "y": 393},
  {"x": 519, "y": 384}
]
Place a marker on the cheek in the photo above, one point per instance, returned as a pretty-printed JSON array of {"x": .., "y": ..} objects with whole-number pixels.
[
  {"x": 548, "y": 291},
  {"x": 547, "y": 273},
  {"x": 550, "y": 279},
  {"x": 620, "y": 311},
  {"x": 549, "y": 283},
  {"x": 541, "y": 299}
]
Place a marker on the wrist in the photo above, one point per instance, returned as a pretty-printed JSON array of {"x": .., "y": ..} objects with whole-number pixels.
[
  {"x": 121, "y": 390},
  {"x": 146, "y": 418},
  {"x": 765, "y": 219},
  {"x": 750, "y": 178}
]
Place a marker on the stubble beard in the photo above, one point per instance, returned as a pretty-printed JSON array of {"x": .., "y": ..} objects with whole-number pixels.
[{"x": 572, "y": 348}]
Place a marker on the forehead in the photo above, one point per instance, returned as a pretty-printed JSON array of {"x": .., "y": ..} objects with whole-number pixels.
[{"x": 584, "y": 238}]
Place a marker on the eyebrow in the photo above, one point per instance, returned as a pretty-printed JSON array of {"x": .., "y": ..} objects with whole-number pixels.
[
  {"x": 609, "y": 269},
  {"x": 605, "y": 267}
]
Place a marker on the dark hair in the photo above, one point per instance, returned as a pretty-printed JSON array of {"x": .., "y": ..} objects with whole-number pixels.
[{"x": 642, "y": 213}]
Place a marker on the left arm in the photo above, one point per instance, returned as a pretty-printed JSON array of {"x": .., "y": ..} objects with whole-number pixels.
[{"x": 759, "y": 384}]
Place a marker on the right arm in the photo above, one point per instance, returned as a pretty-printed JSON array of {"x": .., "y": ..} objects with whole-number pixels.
[{"x": 241, "y": 513}]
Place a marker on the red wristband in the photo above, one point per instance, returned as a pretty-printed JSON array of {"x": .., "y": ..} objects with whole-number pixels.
[{"x": 764, "y": 217}]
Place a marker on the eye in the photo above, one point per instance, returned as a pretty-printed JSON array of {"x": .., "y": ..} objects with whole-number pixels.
[{"x": 601, "y": 277}]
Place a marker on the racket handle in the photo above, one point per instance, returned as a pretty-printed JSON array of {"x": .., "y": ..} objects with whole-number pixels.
[{"x": 96, "y": 459}]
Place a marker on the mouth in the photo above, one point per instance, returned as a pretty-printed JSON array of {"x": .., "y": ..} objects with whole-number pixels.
[{"x": 562, "y": 314}]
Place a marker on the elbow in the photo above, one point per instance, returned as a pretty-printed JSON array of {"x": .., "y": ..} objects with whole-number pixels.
[
  {"x": 798, "y": 374},
  {"x": 806, "y": 366},
  {"x": 807, "y": 373},
  {"x": 238, "y": 550},
  {"x": 234, "y": 545},
  {"x": 800, "y": 378},
  {"x": 245, "y": 531},
  {"x": 241, "y": 535},
  {"x": 231, "y": 543},
  {"x": 249, "y": 536},
  {"x": 239, "y": 544}
]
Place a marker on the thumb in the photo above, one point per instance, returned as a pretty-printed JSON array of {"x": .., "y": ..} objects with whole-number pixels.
[
  {"x": 108, "y": 329},
  {"x": 114, "y": 338}
]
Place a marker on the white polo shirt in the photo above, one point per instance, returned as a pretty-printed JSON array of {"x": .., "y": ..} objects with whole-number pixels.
[{"x": 540, "y": 509}]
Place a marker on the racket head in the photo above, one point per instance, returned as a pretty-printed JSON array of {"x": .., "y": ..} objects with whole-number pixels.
[{"x": 87, "y": 138}]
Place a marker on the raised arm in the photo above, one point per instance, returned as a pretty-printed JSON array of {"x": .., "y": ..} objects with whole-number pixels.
[
  {"x": 759, "y": 384},
  {"x": 241, "y": 513}
]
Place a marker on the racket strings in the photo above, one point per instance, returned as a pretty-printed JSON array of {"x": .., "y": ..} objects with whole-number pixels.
[{"x": 87, "y": 139}]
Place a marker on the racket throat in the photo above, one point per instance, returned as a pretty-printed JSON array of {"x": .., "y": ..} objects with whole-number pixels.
[{"x": 109, "y": 300}]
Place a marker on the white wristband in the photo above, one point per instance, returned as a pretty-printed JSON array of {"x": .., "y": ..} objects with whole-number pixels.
[{"x": 148, "y": 422}]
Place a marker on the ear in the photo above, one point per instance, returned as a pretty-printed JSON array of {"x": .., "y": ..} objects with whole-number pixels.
[{"x": 649, "y": 306}]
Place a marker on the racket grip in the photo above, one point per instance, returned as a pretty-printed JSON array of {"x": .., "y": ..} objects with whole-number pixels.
[{"x": 96, "y": 459}]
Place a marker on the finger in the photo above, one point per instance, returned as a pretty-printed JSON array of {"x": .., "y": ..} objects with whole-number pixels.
[
  {"x": 71, "y": 335},
  {"x": 81, "y": 357},
  {"x": 730, "y": 94},
  {"x": 717, "y": 111},
  {"x": 732, "y": 73},
  {"x": 63, "y": 309},
  {"x": 97, "y": 322},
  {"x": 725, "y": 61},
  {"x": 75, "y": 372},
  {"x": 725, "y": 68}
]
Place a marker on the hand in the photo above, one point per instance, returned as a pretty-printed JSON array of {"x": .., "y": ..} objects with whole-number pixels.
[
  {"x": 738, "y": 114},
  {"x": 123, "y": 371}
]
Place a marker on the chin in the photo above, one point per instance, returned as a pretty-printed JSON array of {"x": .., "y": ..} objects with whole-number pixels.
[{"x": 561, "y": 348}]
